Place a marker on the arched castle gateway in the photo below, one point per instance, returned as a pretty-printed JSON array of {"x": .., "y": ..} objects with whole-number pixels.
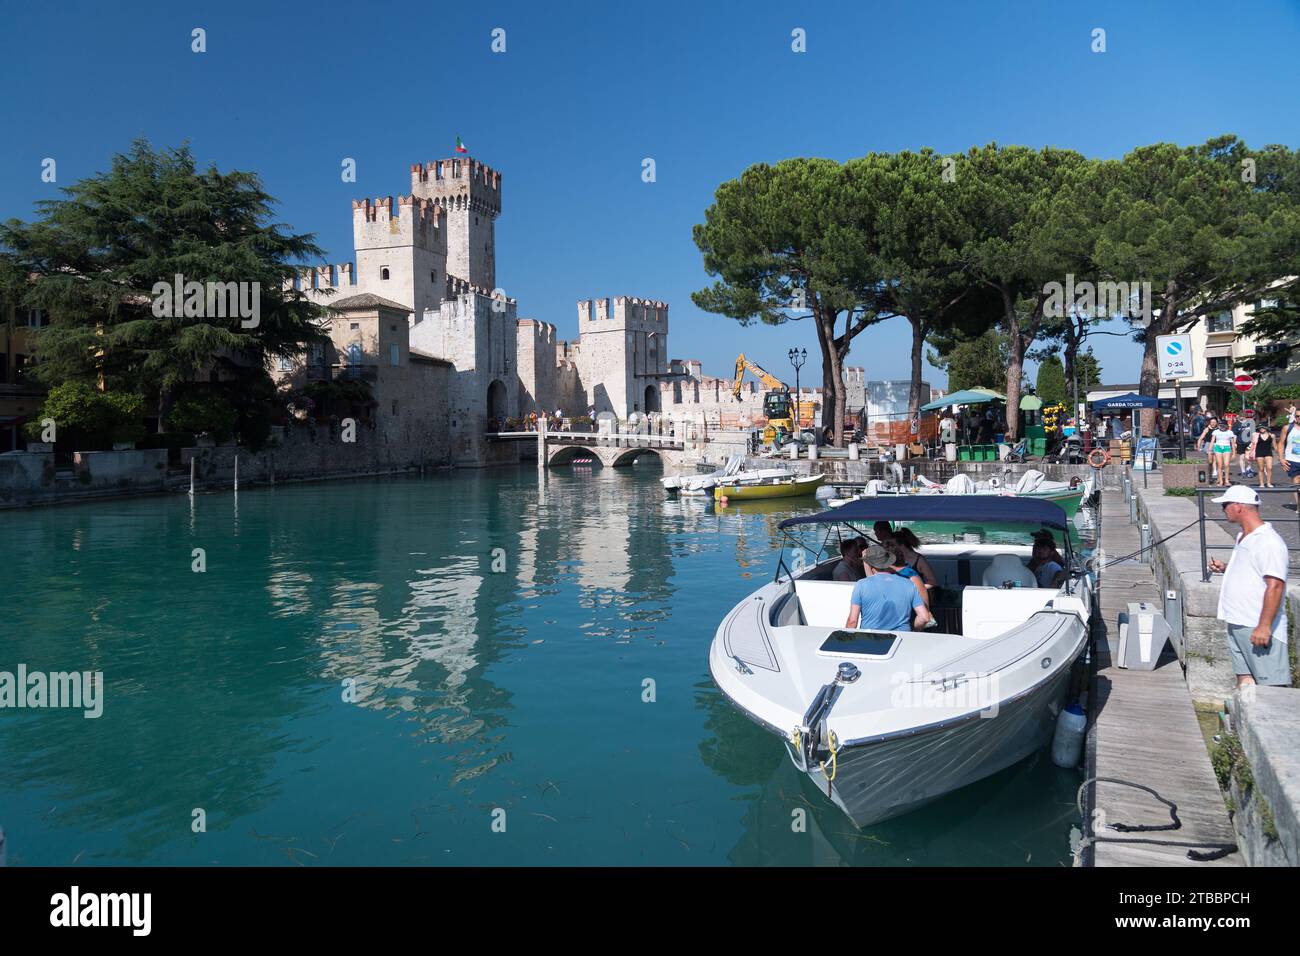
[{"x": 428, "y": 258}]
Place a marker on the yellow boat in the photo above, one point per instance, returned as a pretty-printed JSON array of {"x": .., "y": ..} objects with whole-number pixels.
[{"x": 776, "y": 488}]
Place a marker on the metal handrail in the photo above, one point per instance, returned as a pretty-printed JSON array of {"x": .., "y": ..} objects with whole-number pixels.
[{"x": 1201, "y": 519}]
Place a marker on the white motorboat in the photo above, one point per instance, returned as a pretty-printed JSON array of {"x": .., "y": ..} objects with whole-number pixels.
[
  {"x": 1070, "y": 495},
  {"x": 883, "y": 722},
  {"x": 731, "y": 474}
]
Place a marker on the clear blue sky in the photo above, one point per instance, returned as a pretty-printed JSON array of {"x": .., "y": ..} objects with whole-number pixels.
[{"x": 586, "y": 91}]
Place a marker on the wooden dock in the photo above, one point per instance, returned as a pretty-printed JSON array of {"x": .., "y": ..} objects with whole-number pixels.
[{"x": 1143, "y": 729}]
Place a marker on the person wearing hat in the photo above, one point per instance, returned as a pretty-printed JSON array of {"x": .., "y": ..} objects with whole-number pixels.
[
  {"x": 1290, "y": 435},
  {"x": 1252, "y": 596},
  {"x": 883, "y": 601}
]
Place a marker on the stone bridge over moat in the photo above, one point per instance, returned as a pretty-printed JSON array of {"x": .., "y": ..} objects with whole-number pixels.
[{"x": 612, "y": 450}]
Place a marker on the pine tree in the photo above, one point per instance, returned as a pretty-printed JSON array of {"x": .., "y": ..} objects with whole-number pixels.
[{"x": 95, "y": 261}]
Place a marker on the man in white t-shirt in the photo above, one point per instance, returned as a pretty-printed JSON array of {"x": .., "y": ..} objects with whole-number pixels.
[{"x": 1252, "y": 598}]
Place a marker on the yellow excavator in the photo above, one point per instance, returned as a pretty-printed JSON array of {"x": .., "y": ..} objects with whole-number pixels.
[{"x": 780, "y": 411}]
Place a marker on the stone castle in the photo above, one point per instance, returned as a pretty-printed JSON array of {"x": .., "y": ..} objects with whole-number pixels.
[{"x": 420, "y": 316}]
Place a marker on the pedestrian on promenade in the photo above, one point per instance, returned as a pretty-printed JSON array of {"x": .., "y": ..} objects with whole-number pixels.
[
  {"x": 1252, "y": 596},
  {"x": 1291, "y": 452},
  {"x": 1261, "y": 450},
  {"x": 1219, "y": 443}
]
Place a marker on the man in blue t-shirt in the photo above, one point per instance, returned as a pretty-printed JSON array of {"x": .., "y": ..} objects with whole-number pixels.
[{"x": 883, "y": 601}]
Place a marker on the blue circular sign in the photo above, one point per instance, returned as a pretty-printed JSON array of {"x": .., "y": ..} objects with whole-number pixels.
[{"x": 1173, "y": 348}]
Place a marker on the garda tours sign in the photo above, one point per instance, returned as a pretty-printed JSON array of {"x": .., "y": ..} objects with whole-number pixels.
[{"x": 1175, "y": 355}]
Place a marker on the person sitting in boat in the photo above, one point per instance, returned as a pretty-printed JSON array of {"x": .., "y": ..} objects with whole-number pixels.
[
  {"x": 850, "y": 566},
  {"x": 905, "y": 570},
  {"x": 907, "y": 543},
  {"x": 883, "y": 601},
  {"x": 1046, "y": 562}
]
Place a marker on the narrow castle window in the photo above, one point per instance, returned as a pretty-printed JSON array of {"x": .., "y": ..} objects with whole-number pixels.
[
  {"x": 394, "y": 406},
  {"x": 433, "y": 276},
  {"x": 383, "y": 273}
]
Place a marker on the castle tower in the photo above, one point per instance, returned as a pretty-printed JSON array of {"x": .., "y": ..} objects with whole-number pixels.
[
  {"x": 401, "y": 250},
  {"x": 470, "y": 193},
  {"x": 623, "y": 352}
]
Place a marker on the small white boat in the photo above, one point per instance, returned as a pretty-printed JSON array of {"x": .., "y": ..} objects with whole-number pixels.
[
  {"x": 883, "y": 722},
  {"x": 1070, "y": 495},
  {"x": 731, "y": 473}
]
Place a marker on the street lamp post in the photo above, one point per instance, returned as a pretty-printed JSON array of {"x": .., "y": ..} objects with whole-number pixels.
[{"x": 797, "y": 358}]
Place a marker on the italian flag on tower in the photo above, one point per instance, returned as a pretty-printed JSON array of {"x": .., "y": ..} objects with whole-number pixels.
[{"x": 460, "y": 147}]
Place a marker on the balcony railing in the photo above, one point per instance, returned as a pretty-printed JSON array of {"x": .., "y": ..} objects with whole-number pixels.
[{"x": 354, "y": 373}]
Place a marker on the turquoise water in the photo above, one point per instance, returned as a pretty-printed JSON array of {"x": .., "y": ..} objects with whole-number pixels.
[{"x": 497, "y": 631}]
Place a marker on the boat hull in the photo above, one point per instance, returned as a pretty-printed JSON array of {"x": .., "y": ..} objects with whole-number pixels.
[
  {"x": 1068, "y": 500},
  {"x": 757, "y": 492},
  {"x": 876, "y": 781}
]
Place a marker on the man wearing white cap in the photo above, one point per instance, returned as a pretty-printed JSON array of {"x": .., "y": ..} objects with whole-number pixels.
[{"x": 1251, "y": 599}]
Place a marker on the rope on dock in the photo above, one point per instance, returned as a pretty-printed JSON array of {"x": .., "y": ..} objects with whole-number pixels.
[
  {"x": 1149, "y": 547},
  {"x": 1216, "y": 850}
]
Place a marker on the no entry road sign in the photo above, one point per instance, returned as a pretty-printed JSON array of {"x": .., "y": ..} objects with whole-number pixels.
[{"x": 1243, "y": 382}]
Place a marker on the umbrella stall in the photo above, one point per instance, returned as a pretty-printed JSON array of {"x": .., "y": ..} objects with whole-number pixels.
[{"x": 970, "y": 450}]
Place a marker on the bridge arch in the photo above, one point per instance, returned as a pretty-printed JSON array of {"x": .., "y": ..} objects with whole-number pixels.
[
  {"x": 565, "y": 455},
  {"x": 623, "y": 457}
]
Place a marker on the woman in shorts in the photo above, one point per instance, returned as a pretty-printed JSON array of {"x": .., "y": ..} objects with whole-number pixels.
[{"x": 1219, "y": 442}]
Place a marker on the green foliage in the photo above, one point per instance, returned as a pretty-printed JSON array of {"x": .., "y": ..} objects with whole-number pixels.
[
  {"x": 1206, "y": 237},
  {"x": 204, "y": 411},
  {"x": 1278, "y": 324},
  {"x": 1088, "y": 370},
  {"x": 972, "y": 362},
  {"x": 1181, "y": 492},
  {"x": 1224, "y": 756},
  {"x": 86, "y": 419},
  {"x": 1050, "y": 386},
  {"x": 97, "y": 255},
  {"x": 788, "y": 242}
]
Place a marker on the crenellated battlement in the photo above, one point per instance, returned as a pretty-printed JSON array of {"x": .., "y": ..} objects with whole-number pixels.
[
  {"x": 458, "y": 184},
  {"x": 410, "y": 221},
  {"x": 457, "y": 286},
  {"x": 541, "y": 334},
  {"x": 623, "y": 312}
]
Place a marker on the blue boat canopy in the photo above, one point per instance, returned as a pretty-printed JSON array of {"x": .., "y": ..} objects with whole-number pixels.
[{"x": 960, "y": 508}]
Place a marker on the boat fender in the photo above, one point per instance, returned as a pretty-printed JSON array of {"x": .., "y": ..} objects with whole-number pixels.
[
  {"x": 1067, "y": 742},
  {"x": 1099, "y": 458}
]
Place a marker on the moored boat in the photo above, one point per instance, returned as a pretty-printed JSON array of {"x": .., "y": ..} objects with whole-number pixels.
[
  {"x": 787, "y": 485},
  {"x": 886, "y": 721},
  {"x": 1069, "y": 495}
]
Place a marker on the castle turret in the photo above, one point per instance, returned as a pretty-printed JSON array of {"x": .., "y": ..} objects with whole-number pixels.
[
  {"x": 470, "y": 193},
  {"x": 401, "y": 250},
  {"x": 624, "y": 346}
]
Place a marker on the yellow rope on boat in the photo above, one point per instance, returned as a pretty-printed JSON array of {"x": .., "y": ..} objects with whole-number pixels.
[{"x": 835, "y": 749}]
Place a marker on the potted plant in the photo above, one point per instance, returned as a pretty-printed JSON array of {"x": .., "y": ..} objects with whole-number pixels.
[{"x": 1181, "y": 472}]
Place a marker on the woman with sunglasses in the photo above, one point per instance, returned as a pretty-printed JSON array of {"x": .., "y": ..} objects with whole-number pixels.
[{"x": 1261, "y": 449}]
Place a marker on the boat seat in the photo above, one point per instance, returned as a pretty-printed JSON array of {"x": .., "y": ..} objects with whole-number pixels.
[
  {"x": 824, "y": 603},
  {"x": 990, "y": 612},
  {"x": 1008, "y": 567}
]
